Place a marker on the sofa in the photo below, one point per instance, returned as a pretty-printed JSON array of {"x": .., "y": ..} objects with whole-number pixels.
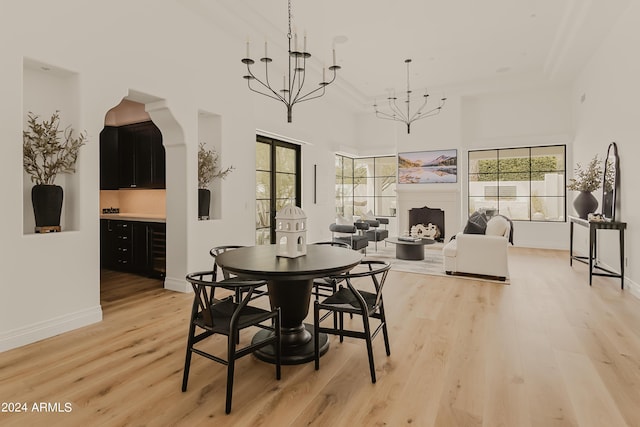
[{"x": 480, "y": 254}]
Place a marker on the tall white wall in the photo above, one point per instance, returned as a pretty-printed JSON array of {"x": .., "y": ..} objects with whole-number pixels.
[
  {"x": 470, "y": 120},
  {"x": 178, "y": 64},
  {"x": 610, "y": 87},
  {"x": 525, "y": 117}
]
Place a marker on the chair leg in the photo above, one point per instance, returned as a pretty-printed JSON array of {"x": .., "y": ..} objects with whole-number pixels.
[
  {"x": 367, "y": 331},
  {"x": 316, "y": 334},
  {"x": 341, "y": 326},
  {"x": 187, "y": 365},
  {"x": 187, "y": 359},
  {"x": 385, "y": 334},
  {"x": 230, "y": 370},
  {"x": 231, "y": 363}
]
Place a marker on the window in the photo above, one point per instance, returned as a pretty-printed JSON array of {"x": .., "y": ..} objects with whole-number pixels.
[
  {"x": 366, "y": 184},
  {"x": 278, "y": 167},
  {"x": 524, "y": 184}
]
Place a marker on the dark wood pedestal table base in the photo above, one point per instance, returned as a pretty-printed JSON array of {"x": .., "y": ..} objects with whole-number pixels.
[{"x": 290, "y": 284}]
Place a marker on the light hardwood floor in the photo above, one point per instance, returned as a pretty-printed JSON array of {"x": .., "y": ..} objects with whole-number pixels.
[{"x": 546, "y": 350}]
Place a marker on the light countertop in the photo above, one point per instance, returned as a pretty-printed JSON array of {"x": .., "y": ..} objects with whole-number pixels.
[{"x": 134, "y": 217}]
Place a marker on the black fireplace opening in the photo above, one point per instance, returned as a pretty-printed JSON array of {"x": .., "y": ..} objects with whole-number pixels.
[{"x": 426, "y": 215}]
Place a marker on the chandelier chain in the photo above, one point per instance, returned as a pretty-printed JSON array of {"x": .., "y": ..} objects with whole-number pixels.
[{"x": 289, "y": 10}]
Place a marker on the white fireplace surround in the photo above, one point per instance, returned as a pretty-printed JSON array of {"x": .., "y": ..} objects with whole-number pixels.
[{"x": 435, "y": 196}]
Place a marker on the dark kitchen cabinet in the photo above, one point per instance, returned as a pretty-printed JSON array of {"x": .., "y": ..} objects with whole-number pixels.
[
  {"x": 132, "y": 156},
  {"x": 133, "y": 246},
  {"x": 141, "y": 156},
  {"x": 109, "y": 174},
  {"x": 116, "y": 245}
]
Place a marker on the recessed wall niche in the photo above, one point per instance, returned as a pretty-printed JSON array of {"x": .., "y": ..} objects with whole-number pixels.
[
  {"x": 210, "y": 135},
  {"x": 45, "y": 89}
]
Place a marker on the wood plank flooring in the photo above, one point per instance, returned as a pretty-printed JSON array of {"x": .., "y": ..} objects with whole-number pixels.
[{"x": 546, "y": 350}]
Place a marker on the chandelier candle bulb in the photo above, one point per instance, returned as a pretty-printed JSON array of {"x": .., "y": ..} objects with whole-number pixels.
[
  {"x": 247, "y": 49},
  {"x": 265, "y": 50},
  {"x": 304, "y": 46},
  {"x": 334, "y": 56}
]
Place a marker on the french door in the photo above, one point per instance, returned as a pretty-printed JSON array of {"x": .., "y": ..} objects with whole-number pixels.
[{"x": 278, "y": 165}]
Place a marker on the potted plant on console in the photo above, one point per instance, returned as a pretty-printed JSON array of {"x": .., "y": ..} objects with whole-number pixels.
[
  {"x": 208, "y": 170},
  {"x": 586, "y": 181},
  {"x": 46, "y": 152}
]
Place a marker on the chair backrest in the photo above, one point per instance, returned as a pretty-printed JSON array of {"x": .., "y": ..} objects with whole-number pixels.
[
  {"x": 204, "y": 287},
  {"x": 334, "y": 243},
  {"x": 343, "y": 229},
  {"x": 377, "y": 270},
  {"x": 373, "y": 223},
  {"x": 214, "y": 252}
]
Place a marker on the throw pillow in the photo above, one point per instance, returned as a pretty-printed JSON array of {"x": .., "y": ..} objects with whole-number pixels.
[
  {"x": 476, "y": 224},
  {"x": 498, "y": 226},
  {"x": 368, "y": 216},
  {"x": 342, "y": 220}
]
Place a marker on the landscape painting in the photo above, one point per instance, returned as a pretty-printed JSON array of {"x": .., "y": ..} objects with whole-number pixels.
[{"x": 427, "y": 167}]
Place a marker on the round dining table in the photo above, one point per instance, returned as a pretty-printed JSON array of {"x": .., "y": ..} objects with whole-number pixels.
[{"x": 290, "y": 282}]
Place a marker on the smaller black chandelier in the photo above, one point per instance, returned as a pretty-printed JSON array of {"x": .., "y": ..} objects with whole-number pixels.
[
  {"x": 291, "y": 92},
  {"x": 405, "y": 115}
]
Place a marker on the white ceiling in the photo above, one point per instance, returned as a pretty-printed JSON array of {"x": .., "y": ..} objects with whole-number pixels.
[{"x": 453, "y": 43}]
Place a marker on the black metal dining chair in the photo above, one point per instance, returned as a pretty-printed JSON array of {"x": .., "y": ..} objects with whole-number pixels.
[
  {"x": 327, "y": 286},
  {"x": 357, "y": 302},
  {"x": 210, "y": 315},
  {"x": 217, "y": 250}
]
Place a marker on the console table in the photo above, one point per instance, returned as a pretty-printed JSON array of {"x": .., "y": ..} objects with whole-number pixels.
[{"x": 592, "y": 259}]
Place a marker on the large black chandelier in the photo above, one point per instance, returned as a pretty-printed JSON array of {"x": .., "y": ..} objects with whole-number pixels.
[
  {"x": 397, "y": 113},
  {"x": 291, "y": 92}
]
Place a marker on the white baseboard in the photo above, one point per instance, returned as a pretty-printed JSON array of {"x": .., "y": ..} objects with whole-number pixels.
[
  {"x": 540, "y": 245},
  {"x": 632, "y": 287},
  {"x": 49, "y": 328},
  {"x": 177, "y": 285},
  {"x": 629, "y": 285}
]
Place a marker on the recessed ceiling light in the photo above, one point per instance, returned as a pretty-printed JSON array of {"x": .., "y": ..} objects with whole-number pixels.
[
  {"x": 340, "y": 39},
  {"x": 503, "y": 69},
  {"x": 43, "y": 68}
]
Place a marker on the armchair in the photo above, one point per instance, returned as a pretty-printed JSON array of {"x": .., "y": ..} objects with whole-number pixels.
[
  {"x": 348, "y": 233},
  {"x": 480, "y": 254},
  {"x": 376, "y": 234}
]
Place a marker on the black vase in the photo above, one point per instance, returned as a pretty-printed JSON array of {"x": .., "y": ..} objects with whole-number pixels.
[
  {"x": 204, "y": 200},
  {"x": 47, "y": 204},
  {"x": 585, "y": 203}
]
